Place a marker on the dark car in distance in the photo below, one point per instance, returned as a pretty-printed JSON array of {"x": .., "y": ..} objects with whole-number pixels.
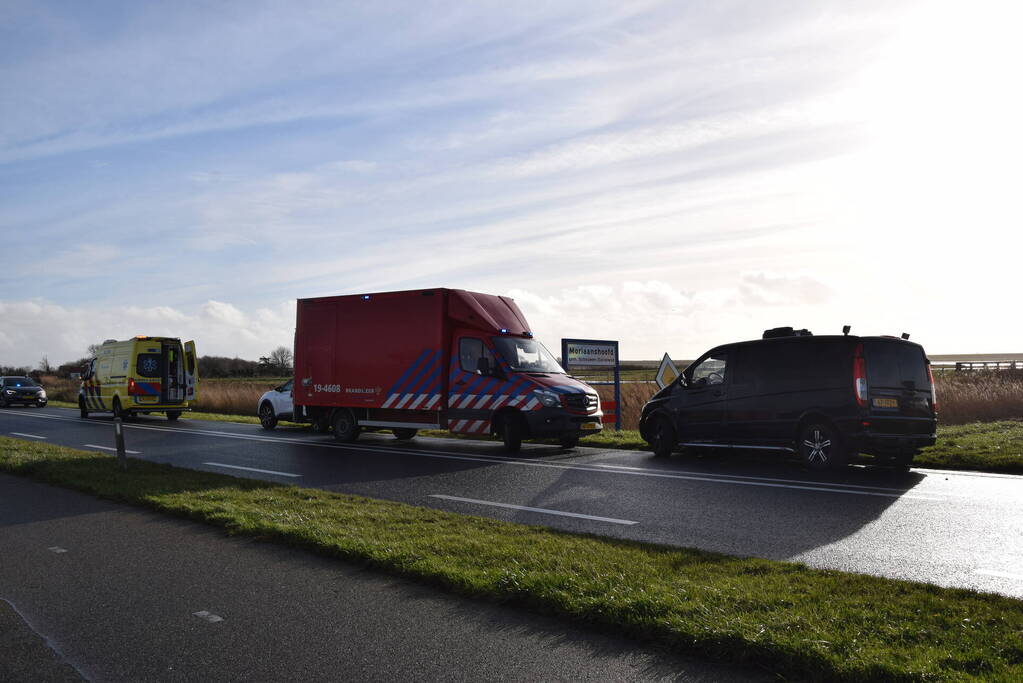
[
  {"x": 822, "y": 397},
  {"x": 21, "y": 390}
]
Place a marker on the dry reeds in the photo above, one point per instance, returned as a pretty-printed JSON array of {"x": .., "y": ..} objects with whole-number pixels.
[{"x": 979, "y": 396}]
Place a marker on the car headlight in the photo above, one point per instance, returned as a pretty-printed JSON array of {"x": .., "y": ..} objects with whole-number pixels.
[
  {"x": 42, "y": 393},
  {"x": 549, "y": 399},
  {"x": 10, "y": 392}
]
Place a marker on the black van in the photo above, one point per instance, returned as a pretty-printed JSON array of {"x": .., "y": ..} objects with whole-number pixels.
[{"x": 824, "y": 397}]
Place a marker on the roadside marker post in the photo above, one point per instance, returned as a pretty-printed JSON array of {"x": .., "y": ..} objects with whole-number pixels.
[{"x": 122, "y": 457}]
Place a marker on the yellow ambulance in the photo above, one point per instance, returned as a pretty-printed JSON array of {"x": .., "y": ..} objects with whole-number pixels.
[{"x": 140, "y": 375}]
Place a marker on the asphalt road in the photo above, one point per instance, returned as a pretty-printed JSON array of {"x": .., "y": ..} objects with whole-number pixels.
[
  {"x": 952, "y": 529},
  {"x": 90, "y": 590}
]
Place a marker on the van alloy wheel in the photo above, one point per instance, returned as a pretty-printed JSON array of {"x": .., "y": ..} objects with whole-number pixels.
[
  {"x": 83, "y": 411},
  {"x": 118, "y": 411},
  {"x": 819, "y": 447},
  {"x": 662, "y": 437}
]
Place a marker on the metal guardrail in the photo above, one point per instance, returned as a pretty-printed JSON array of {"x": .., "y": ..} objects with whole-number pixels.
[{"x": 978, "y": 365}]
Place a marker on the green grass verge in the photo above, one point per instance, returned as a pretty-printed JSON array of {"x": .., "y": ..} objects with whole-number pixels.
[
  {"x": 981, "y": 446},
  {"x": 986, "y": 446},
  {"x": 787, "y": 618}
]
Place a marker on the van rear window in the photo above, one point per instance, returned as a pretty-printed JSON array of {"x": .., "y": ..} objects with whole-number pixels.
[
  {"x": 891, "y": 364},
  {"x": 148, "y": 365}
]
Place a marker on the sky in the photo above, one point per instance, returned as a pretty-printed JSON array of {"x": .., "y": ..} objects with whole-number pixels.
[{"x": 669, "y": 175}]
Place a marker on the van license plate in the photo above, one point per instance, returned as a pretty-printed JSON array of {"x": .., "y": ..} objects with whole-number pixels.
[
  {"x": 886, "y": 403},
  {"x": 590, "y": 425}
]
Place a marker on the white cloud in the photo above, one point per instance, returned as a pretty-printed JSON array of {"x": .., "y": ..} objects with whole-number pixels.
[
  {"x": 767, "y": 289},
  {"x": 37, "y": 328}
]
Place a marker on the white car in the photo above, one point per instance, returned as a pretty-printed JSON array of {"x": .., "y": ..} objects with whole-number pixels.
[{"x": 276, "y": 404}]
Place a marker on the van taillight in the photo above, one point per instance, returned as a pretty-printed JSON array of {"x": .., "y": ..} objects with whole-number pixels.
[
  {"x": 934, "y": 393},
  {"x": 860, "y": 376},
  {"x": 132, "y": 388}
]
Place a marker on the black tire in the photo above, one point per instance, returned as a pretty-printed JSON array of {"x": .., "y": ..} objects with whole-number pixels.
[
  {"x": 4, "y": 403},
  {"x": 118, "y": 410},
  {"x": 267, "y": 418},
  {"x": 319, "y": 426},
  {"x": 511, "y": 432},
  {"x": 346, "y": 430},
  {"x": 404, "y": 433},
  {"x": 820, "y": 447},
  {"x": 662, "y": 437},
  {"x": 83, "y": 411},
  {"x": 173, "y": 415},
  {"x": 570, "y": 441}
]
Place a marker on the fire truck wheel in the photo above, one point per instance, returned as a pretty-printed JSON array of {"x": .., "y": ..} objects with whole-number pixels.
[
  {"x": 511, "y": 431},
  {"x": 404, "y": 433},
  {"x": 346, "y": 430}
]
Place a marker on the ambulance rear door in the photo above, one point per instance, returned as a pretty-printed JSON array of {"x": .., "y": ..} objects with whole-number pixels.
[{"x": 191, "y": 372}]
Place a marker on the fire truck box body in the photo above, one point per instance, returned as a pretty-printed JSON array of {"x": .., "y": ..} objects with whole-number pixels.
[{"x": 438, "y": 358}]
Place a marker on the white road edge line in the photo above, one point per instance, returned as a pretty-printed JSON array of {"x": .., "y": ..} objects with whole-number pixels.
[
  {"x": 109, "y": 448},
  {"x": 252, "y": 469},
  {"x": 1003, "y": 575},
  {"x": 30, "y": 436},
  {"x": 545, "y": 511}
]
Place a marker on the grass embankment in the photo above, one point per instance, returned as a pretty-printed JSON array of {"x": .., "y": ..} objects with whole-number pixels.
[{"x": 784, "y": 617}]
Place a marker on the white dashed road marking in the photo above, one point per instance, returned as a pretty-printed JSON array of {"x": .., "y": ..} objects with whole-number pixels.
[
  {"x": 108, "y": 448},
  {"x": 1002, "y": 575},
  {"x": 57, "y": 549},
  {"x": 208, "y": 616},
  {"x": 252, "y": 469},
  {"x": 545, "y": 511},
  {"x": 29, "y": 436}
]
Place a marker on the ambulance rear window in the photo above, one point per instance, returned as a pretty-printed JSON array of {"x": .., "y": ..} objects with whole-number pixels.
[{"x": 148, "y": 365}]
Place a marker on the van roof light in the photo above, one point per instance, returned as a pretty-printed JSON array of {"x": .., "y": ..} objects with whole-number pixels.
[
  {"x": 905, "y": 335},
  {"x": 845, "y": 329}
]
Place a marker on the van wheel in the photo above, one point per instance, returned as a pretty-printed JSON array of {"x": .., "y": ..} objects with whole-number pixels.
[
  {"x": 569, "y": 441},
  {"x": 82, "y": 410},
  {"x": 346, "y": 430},
  {"x": 404, "y": 433},
  {"x": 662, "y": 438},
  {"x": 511, "y": 432},
  {"x": 118, "y": 410},
  {"x": 267, "y": 419},
  {"x": 819, "y": 446},
  {"x": 173, "y": 415}
]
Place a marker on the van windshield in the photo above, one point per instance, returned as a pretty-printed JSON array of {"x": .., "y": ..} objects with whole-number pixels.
[
  {"x": 895, "y": 365},
  {"x": 526, "y": 355}
]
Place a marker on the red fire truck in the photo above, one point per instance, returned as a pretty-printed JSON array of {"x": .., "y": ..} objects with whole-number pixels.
[{"x": 433, "y": 359}]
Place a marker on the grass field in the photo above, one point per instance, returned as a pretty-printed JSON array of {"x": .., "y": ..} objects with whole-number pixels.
[{"x": 785, "y": 618}]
